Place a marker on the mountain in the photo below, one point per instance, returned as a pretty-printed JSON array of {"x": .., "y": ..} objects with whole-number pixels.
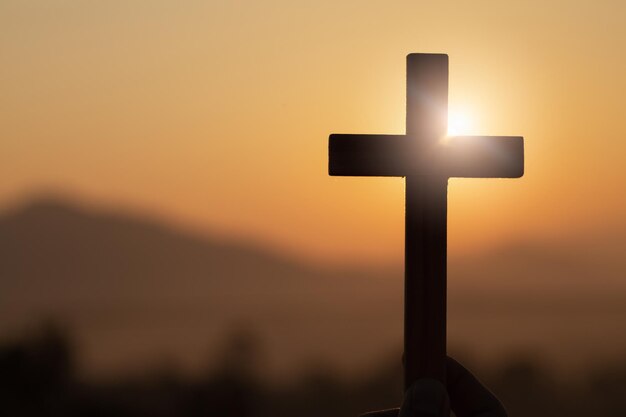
[{"x": 135, "y": 292}]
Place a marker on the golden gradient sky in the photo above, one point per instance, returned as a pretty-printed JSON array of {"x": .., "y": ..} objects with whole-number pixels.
[{"x": 216, "y": 115}]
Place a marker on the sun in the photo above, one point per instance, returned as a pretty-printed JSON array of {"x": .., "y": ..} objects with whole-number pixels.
[{"x": 459, "y": 123}]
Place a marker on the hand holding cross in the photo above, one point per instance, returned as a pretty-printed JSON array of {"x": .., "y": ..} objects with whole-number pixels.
[{"x": 427, "y": 158}]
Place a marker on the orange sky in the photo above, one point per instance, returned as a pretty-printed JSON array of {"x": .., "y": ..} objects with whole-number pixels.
[{"x": 216, "y": 115}]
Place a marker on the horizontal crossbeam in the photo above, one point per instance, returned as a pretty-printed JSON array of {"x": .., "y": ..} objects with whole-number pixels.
[
  {"x": 398, "y": 156},
  {"x": 483, "y": 156},
  {"x": 367, "y": 155}
]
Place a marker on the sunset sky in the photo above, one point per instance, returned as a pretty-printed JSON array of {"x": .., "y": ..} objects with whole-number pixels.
[{"x": 215, "y": 116}]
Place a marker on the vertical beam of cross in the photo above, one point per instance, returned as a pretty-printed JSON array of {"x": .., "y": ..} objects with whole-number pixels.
[
  {"x": 427, "y": 162},
  {"x": 425, "y": 247}
]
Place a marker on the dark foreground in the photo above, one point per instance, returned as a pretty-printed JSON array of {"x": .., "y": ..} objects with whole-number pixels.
[{"x": 38, "y": 378}]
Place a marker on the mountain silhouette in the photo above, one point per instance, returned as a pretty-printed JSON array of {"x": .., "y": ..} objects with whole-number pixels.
[{"x": 135, "y": 292}]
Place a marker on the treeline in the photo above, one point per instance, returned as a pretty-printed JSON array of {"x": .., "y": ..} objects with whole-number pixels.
[{"x": 38, "y": 378}]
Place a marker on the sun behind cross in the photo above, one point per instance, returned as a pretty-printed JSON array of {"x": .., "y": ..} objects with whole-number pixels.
[{"x": 459, "y": 122}]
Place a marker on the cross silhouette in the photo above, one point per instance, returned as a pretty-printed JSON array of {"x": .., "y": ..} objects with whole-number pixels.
[{"x": 427, "y": 158}]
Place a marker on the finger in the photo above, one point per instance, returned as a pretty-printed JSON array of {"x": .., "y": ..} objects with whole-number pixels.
[
  {"x": 425, "y": 398},
  {"x": 468, "y": 397},
  {"x": 393, "y": 412}
]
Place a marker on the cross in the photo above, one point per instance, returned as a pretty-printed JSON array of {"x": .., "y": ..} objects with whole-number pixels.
[{"x": 427, "y": 158}]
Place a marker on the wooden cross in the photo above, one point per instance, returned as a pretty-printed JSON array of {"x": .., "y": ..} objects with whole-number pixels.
[{"x": 427, "y": 158}]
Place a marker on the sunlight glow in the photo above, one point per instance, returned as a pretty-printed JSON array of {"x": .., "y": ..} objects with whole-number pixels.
[{"x": 459, "y": 123}]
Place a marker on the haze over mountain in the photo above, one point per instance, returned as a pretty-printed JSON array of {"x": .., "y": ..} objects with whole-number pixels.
[{"x": 135, "y": 292}]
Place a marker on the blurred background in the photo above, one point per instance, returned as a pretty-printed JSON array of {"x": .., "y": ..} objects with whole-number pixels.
[{"x": 171, "y": 243}]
